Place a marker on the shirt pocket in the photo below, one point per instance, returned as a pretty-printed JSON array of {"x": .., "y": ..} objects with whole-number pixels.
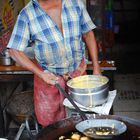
[
  {"x": 73, "y": 20},
  {"x": 49, "y": 53}
]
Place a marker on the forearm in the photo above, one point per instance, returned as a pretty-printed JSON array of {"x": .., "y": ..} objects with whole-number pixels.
[
  {"x": 91, "y": 45},
  {"x": 24, "y": 61}
]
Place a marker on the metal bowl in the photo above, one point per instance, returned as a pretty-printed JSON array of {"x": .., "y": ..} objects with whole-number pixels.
[
  {"x": 115, "y": 127},
  {"x": 89, "y": 90}
]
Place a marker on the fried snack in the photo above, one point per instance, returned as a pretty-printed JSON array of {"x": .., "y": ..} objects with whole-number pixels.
[
  {"x": 75, "y": 136},
  {"x": 84, "y": 138}
]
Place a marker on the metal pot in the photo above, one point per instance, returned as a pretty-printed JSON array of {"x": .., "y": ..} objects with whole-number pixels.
[
  {"x": 6, "y": 61},
  {"x": 89, "y": 90},
  {"x": 5, "y": 58}
]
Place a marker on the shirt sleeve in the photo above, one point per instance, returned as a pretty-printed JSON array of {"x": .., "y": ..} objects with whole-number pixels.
[
  {"x": 20, "y": 36},
  {"x": 86, "y": 22}
]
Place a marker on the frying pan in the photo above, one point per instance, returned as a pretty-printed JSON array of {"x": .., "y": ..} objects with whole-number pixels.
[{"x": 118, "y": 126}]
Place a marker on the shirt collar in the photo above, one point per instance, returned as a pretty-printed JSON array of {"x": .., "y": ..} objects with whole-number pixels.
[
  {"x": 36, "y": 2},
  {"x": 63, "y": 1}
]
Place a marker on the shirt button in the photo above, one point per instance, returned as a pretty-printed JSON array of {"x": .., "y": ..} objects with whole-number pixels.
[{"x": 66, "y": 63}]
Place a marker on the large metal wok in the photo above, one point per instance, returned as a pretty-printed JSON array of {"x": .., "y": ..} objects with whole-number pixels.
[{"x": 63, "y": 127}]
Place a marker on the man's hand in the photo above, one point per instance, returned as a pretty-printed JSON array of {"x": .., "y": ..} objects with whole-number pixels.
[
  {"x": 91, "y": 44},
  {"x": 97, "y": 72},
  {"x": 49, "y": 78},
  {"x": 21, "y": 58}
]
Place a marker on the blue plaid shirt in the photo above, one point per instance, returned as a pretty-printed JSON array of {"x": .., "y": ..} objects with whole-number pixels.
[{"x": 55, "y": 52}]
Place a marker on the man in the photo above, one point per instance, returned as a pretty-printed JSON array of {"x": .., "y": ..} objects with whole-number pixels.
[{"x": 56, "y": 28}]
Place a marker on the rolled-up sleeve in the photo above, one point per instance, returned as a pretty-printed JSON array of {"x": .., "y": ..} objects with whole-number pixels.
[
  {"x": 86, "y": 22},
  {"x": 20, "y": 36}
]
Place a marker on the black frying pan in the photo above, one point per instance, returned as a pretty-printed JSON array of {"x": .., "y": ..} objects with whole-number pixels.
[
  {"x": 66, "y": 127},
  {"x": 101, "y": 128}
]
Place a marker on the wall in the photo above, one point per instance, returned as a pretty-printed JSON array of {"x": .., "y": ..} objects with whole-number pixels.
[
  {"x": 26, "y": 1},
  {"x": 84, "y": 1},
  {"x": 9, "y": 10},
  {"x": 127, "y": 20},
  {"x": 126, "y": 10}
]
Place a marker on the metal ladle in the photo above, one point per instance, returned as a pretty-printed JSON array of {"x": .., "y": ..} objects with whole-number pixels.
[{"x": 83, "y": 116}]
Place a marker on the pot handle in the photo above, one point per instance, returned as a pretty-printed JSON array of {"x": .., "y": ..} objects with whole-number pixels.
[{"x": 32, "y": 137}]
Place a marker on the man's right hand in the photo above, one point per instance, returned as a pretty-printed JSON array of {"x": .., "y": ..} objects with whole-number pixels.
[{"x": 49, "y": 78}]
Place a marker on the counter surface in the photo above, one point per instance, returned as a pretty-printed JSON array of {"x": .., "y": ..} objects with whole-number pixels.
[
  {"x": 105, "y": 65},
  {"x": 14, "y": 72}
]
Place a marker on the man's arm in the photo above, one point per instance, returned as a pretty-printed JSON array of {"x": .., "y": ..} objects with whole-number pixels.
[
  {"x": 90, "y": 41},
  {"x": 27, "y": 63}
]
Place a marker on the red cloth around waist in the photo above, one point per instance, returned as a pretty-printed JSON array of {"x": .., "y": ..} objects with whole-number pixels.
[{"x": 48, "y": 101}]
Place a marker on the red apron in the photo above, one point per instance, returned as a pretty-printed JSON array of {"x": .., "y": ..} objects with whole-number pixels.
[{"x": 48, "y": 101}]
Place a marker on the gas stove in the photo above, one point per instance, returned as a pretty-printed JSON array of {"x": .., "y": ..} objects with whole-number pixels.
[{"x": 24, "y": 131}]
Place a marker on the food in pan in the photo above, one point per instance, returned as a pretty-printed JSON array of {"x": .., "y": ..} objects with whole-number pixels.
[
  {"x": 99, "y": 131},
  {"x": 74, "y": 136},
  {"x": 84, "y": 138},
  {"x": 62, "y": 138}
]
